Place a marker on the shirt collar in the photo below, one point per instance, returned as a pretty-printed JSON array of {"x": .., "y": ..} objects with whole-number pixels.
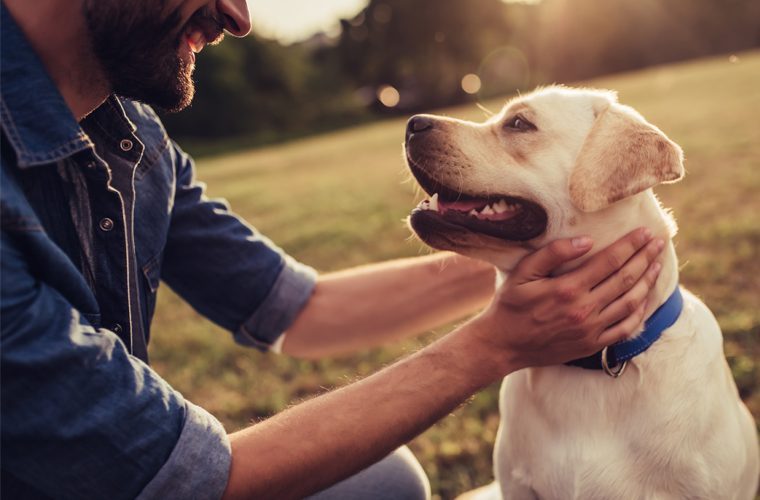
[{"x": 35, "y": 118}]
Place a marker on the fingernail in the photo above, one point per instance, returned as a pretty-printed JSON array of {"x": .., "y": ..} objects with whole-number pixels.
[
  {"x": 582, "y": 242},
  {"x": 660, "y": 243},
  {"x": 656, "y": 267}
]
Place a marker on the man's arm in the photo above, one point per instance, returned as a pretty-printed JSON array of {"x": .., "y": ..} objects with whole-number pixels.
[
  {"x": 227, "y": 270},
  {"x": 378, "y": 303},
  {"x": 240, "y": 280},
  {"x": 533, "y": 320},
  {"x": 81, "y": 418}
]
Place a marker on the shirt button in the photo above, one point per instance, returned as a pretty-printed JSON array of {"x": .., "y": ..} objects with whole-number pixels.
[
  {"x": 126, "y": 145},
  {"x": 106, "y": 224},
  {"x": 90, "y": 164},
  {"x": 117, "y": 329}
]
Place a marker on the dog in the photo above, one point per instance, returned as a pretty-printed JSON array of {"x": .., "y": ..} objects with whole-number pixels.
[{"x": 562, "y": 162}]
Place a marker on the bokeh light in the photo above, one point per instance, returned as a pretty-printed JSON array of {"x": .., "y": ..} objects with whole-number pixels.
[
  {"x": 388, "y": 96},
  {"x": 471, "y": 83}
]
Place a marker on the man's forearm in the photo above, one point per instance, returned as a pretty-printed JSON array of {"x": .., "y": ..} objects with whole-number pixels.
[
  {"x": 375, "y": 304},
  {"x": 324, "y": 440}
]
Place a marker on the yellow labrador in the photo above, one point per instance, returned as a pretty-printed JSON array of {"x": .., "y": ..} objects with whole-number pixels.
[{"x": 562, "y": 162}]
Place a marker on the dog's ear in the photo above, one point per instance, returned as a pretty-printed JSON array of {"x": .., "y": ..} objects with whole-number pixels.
[{"x": 623, "y": 155}]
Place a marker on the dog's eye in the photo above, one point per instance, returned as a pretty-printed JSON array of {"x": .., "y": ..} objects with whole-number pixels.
[{"x": 520, "y": 124}]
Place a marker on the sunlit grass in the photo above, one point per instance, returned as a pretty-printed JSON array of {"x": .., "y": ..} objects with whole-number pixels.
[{"x": 339, "y": 200}]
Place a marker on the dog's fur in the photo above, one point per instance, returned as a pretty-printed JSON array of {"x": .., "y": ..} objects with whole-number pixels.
[{"x": 673, "y": 426}]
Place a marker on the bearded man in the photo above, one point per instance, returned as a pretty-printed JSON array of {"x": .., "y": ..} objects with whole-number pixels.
[{"x": 99, "y": 205}]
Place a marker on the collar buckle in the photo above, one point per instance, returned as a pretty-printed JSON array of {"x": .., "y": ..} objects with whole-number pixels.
[{"x": 615, "y": 371}]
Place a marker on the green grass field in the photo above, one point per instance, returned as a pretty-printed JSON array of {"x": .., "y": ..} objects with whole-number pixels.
[{"x": 338, "y": 200}]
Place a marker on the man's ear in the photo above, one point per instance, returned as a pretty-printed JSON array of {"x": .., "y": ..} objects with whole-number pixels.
[{"x": 623, "y": 155}]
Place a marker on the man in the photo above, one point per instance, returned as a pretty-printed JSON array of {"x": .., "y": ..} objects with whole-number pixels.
[{"x": 98, "y": 205}]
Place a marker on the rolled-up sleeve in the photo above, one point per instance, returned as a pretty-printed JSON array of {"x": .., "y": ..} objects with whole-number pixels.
[
  {"x": 81, "y": 418},
  {"x": 199, "y": 464},
  {"x": 227, "y": 270}
]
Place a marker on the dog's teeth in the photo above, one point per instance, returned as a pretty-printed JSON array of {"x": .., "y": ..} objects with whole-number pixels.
[
  {"x": 500, "y": 207},
  {"x": 487, "y": 210},
  {"x": 473, "y": 212},
  {"x": 434, "y": 202}
]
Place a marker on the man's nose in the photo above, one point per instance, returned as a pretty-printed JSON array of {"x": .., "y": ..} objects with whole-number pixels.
[{"x": 237, "y": 20}]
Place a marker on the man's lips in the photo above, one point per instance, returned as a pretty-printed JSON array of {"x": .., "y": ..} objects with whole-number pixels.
[
  {"x": 203, "y": 29},
  {"x": 196, "y": 40}
]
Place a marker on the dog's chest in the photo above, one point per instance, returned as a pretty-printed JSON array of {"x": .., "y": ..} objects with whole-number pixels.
[{"x": 565, "y": 429}]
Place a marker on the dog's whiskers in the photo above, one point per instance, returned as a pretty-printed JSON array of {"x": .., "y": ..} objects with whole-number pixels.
[{"x": 485, "y": 110}]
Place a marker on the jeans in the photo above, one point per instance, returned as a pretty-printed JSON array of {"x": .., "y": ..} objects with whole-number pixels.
[{"x": 399, "y": 476}]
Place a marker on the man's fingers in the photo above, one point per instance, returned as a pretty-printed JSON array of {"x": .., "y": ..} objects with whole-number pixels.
[
  {"x": 630, "y": 274},
  {"x": 612, "y": 258},
  {"x": 543, "y": 261},
  {"x": 630, "y": 302},
  {"x": 623, "y": 330}
]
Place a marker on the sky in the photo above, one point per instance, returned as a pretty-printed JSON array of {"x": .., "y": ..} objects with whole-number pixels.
[{"x": 294, "y": 20}]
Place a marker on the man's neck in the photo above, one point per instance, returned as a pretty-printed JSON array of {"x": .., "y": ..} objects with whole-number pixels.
[{"x": 56, "y": 29}]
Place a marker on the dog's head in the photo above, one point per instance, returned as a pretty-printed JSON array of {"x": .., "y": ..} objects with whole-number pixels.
[{"x": 552, "y": 164}]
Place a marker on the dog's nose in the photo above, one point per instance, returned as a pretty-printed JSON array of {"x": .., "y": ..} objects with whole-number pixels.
[{"x": 418, "y": 124}]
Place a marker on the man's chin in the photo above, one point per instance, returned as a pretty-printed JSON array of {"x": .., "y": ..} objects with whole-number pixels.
[
  {"x": 171, "y": 97},
  {"x": 179, "y": 102},
  {"x": 180, "y": 93}
]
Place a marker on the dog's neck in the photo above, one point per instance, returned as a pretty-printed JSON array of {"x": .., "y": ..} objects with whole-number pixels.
[
  {"x": 606, "y": 228},
  {"x": 642, "y": 210}
]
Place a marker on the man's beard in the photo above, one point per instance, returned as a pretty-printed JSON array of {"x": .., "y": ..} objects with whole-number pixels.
[{"x": 137, "y": 46}]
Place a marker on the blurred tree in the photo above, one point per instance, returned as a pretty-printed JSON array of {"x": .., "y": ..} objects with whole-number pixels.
[
  {"x": 423, "y": 48},
  {"x": 253, "y": 87},
  {"x": 575, "y": 39},
  {"x": 257, "y": 90}
]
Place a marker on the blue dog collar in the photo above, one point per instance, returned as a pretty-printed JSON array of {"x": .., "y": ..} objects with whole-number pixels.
[{"x": 617, "y": 355}]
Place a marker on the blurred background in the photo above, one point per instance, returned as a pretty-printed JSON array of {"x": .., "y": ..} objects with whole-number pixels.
[
  {"x": 307, "y": 69},
  {"x": 300, "y": 127}
]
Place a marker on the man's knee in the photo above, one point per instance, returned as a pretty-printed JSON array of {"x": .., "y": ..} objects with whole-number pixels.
[
  {"x": 410, "y": 479},
  {"x": 398, "y": 476}
]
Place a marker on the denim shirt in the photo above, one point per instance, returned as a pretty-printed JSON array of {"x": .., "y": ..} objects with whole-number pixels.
[{"x": 94, "y": 215}]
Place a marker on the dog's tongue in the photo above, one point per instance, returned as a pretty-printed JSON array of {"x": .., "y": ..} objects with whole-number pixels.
[
  {"x": 461, "y": 206},
  {"x": 481, "y": 209},
  {"x": 509, "y": 218}
]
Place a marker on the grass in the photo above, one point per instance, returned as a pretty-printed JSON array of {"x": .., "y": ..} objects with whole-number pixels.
[{"x": 338, "y": 200}]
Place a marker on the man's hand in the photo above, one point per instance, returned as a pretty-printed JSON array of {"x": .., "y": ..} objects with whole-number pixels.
[{"x": 537, "y": 320}]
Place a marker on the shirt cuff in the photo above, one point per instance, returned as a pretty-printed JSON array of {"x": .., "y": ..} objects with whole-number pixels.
[
  {"x": 199, "y": 465},
  {"x": 288, "y": 296}
]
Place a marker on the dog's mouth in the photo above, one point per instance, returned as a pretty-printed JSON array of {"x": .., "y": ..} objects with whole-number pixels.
[{"x": 505, "y": 217}]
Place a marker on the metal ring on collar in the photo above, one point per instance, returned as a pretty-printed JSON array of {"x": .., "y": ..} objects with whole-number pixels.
[{"x": 609, "y": 371}]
